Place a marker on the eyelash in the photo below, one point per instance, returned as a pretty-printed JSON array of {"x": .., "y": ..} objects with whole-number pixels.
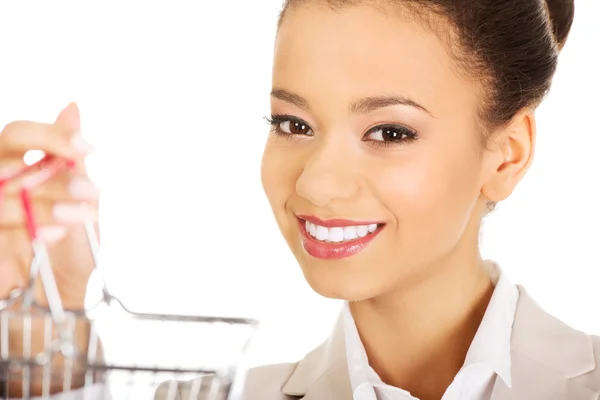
[{"x": 407, "y": 135}]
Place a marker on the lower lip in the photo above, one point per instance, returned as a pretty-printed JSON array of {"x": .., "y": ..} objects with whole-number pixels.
[{"x": 334, "y": 251}]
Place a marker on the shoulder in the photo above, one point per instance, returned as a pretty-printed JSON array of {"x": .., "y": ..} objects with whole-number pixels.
[
  {"x": 266, "y": 382},
  {"x": 592, "y": 378},
  {"x": 547, "y": 341}
]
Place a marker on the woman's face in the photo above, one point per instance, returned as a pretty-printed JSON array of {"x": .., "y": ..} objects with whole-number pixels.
[{"x": 375, "y": 144}]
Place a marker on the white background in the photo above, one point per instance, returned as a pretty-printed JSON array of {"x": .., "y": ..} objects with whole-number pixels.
[{"x": 173, "y": 97}]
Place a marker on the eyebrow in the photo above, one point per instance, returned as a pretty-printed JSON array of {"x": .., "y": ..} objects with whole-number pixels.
[{"x": 362, "y": 106}]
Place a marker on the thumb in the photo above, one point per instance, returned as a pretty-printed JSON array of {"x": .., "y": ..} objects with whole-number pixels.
[{"x": 70, "y": 117}]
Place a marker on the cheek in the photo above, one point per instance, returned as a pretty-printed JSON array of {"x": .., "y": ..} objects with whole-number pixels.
[
  {"x": 432, "y": 195},
  {"x": 278, "y": 175}
]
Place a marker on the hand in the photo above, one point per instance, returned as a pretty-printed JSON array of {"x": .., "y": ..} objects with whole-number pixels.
[{"x": 60, "y": 206}]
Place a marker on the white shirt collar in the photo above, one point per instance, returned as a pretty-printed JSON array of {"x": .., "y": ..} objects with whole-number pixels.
[
  {"x": 491, "y": 344},
  {"x": 490, "y": 347}
]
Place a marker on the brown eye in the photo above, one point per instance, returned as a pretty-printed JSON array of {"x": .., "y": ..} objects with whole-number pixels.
[
  {"x": 289, "y": 126},
  {"x": 295, "y": 128},
  {"x": 390, "y": 133}
]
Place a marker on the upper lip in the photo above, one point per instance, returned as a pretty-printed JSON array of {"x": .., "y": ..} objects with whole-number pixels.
[{"x": 332, "y": 223}]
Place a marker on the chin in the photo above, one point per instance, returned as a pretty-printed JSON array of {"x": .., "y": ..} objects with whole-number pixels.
[{"x": 342, "y": 285}]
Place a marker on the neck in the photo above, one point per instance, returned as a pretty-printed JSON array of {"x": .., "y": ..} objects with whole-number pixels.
[{"x": 417, "y": 337}]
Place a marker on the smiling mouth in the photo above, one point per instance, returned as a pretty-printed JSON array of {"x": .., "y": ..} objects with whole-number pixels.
[
  {"x": 336, "y": 238},
  {"x": 339, "y": 234}
]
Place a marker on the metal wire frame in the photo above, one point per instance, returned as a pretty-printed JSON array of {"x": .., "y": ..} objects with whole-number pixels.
[{"x": 83, "y": 367}]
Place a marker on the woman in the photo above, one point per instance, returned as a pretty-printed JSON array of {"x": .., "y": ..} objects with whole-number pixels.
[{"x": 397, "y": 125}]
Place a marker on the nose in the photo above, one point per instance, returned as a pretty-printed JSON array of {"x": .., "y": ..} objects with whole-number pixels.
[{"x": 329, "y": 174}]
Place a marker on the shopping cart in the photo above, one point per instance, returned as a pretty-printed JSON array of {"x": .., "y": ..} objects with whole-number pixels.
[{"x": 121, "y": 354}]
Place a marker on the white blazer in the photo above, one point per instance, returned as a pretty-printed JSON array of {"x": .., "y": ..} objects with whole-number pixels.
[{"x": 550, "y": 361}]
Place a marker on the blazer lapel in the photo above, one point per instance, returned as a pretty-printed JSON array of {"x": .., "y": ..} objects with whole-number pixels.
[
  {"x": 545, "y": 355},
  {"x": 323, "y": 373},
  {"x": 532, "y": 380}
]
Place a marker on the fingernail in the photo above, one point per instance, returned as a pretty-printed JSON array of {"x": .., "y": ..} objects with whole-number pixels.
[
  {"x": 52, "y": 234},
  {"x": 81, "y": 188},
  {"x": 72, "y": 213},
  {"x": 81, "y": 145}
]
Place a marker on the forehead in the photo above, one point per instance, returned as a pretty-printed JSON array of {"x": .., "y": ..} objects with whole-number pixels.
[{"x": 361, "y": 50}]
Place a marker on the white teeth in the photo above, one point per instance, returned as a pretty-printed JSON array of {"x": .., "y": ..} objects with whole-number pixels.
[
  {"x": 362, "y": 230},
  {"x": 339, "y": 234},
  {"x": 350, "y": 233},
  {"x": 336, "y": 235},
  {"x": 322, "y": 233}
]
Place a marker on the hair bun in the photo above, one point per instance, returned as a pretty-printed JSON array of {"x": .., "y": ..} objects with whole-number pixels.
[{"x": 561, "y": 17}]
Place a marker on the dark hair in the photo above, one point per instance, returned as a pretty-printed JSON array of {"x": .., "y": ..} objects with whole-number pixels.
[{"x": 510, "y": 46}]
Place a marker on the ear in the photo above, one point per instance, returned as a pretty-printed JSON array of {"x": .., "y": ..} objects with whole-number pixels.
[{"x": 509, "y": 156}]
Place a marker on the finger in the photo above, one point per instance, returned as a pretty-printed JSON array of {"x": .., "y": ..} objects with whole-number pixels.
[
  {"x": 12, "y": 279},
  {"x": 64, "y": 186},
  {"x": 10, "y": 162},
  {"x": 52, "y": 234},
  {"x": 15, "y": 257},
  {"x": 70, "y": 118},
  {"x": 10, "y": 165},
  {"x": 15, "y": 174},
  {"x": 12, "y": 214},
  {"x": 68, "y": 187},
  {"x": 19, "y": 137}
]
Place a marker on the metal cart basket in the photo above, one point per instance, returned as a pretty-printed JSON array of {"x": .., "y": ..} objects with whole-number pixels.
[{"x": 121, "y": 354}]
